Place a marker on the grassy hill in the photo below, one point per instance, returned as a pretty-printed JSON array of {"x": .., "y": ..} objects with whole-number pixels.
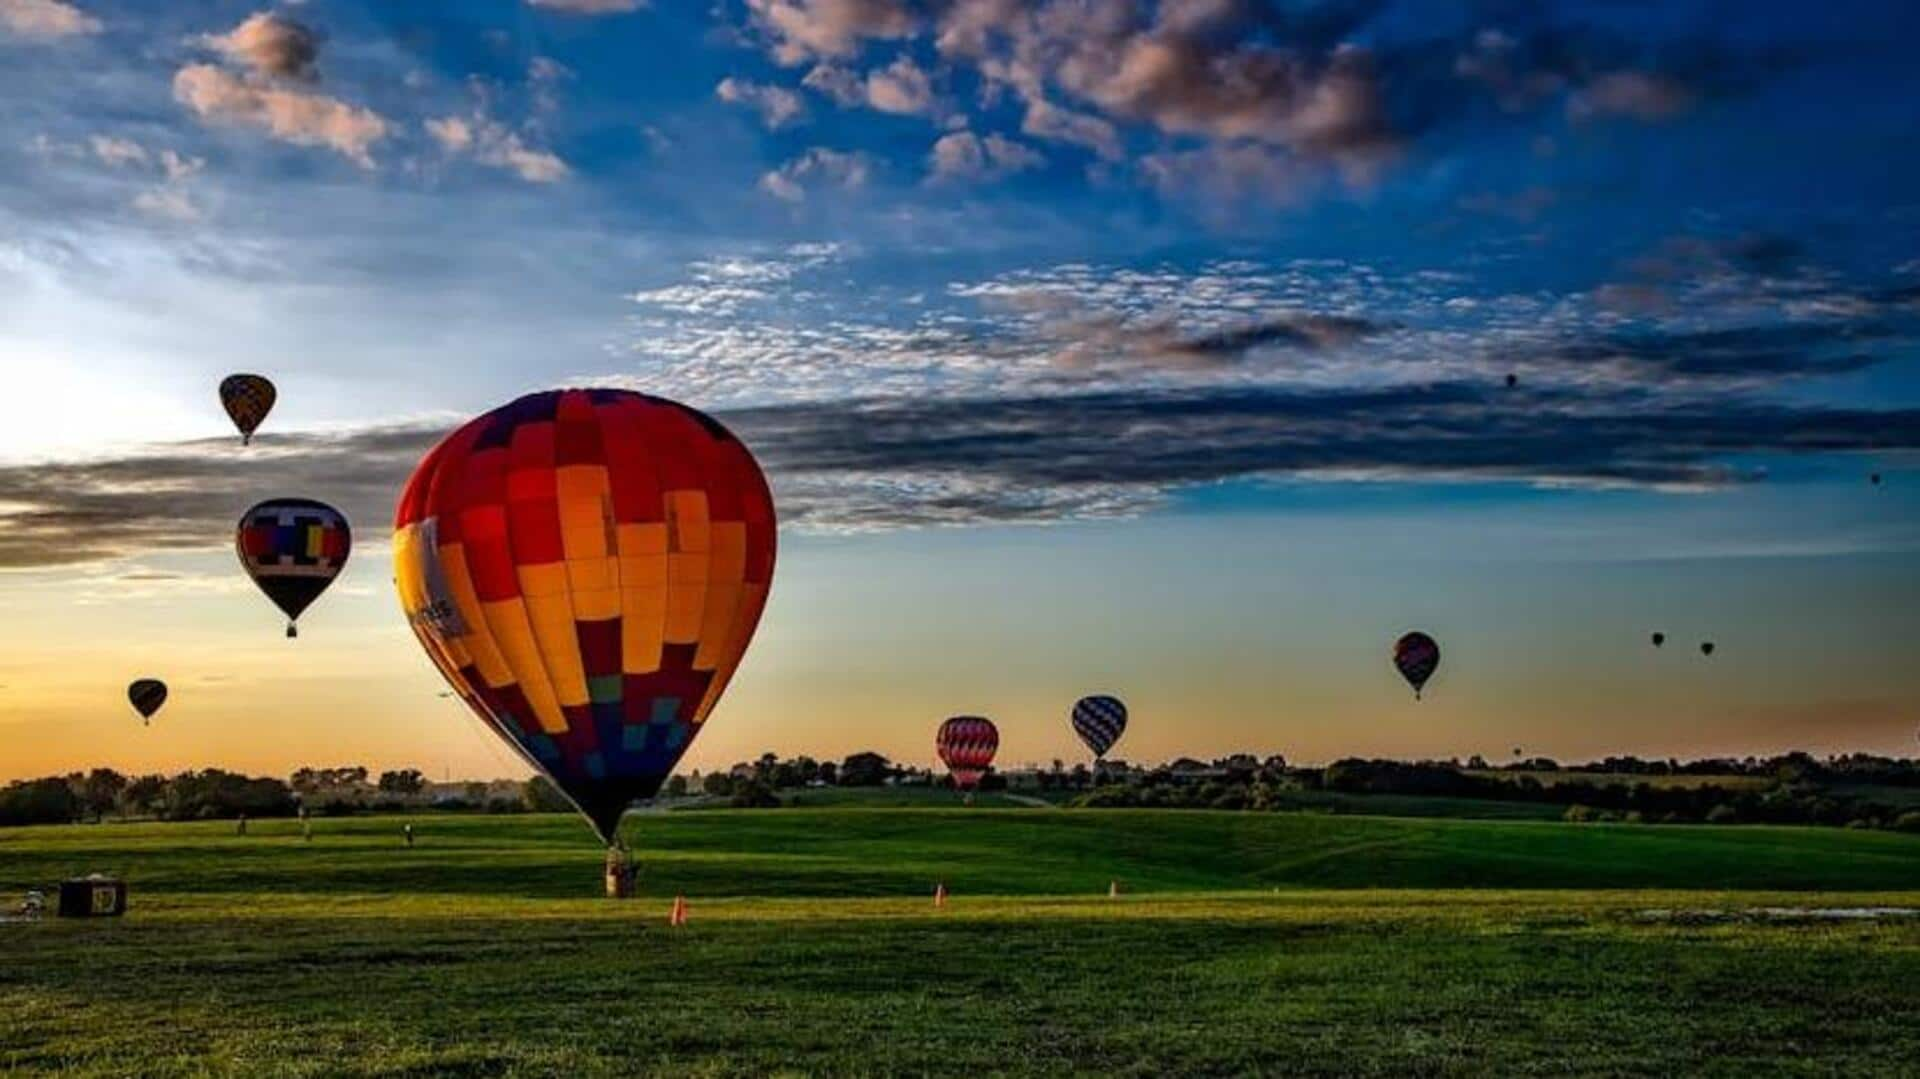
[{"x": 1391, "y": 947}]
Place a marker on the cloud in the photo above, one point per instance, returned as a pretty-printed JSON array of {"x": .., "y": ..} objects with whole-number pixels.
[
  {"x": 900, "y": 88},
  {"x": 1638, "y": 95},
  {"x": 776, "y": 105},
  {"x": 188, "y": 495},
  {"x": 802, "y": 30},
  {"x": 1103, "y": 342},
  {"x": 818, "y": 165},
  {"x": 117, "y": 151},
  {"x": 301, "y": 117},
  {"x": 492, "y": 143},
  {"x": 46, "y": 19},
  {"x": 171, "y": 203},
  {"x": 962, "y": 155},
  {"x": 875, "y": 463},
  {"x": 836, "y": 83},
  {"x": 1243, "y": 87},
  {"x": 271, "y": 45},
  {"x": 1045, "y": 120},
  {"x": 590, "y": 7},
  {"x": 1227, "y": 175},
  {"x": 1601, "y": 75}
]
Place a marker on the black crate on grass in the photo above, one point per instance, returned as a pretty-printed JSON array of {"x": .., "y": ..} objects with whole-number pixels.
[{"x": 94, "y": 896}]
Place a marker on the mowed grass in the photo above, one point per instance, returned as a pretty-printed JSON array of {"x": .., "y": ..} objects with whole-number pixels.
[{"x": 1241, "y": 943}]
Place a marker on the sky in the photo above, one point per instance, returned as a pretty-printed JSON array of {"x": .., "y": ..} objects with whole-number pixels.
[{"x": 1160, "y": 349}]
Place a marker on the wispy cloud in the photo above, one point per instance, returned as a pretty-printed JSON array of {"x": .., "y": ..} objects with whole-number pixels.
[
  {"x": 492, "y": 143},
  {"x": 819, "y": 166},
  {"x": 46, "y": 19},
  {"x": 963, "y": 155},
  {"x": 301, "y": 117},
  {"x": 777, "y": 105},
  {"x": 865, "y": 464}
]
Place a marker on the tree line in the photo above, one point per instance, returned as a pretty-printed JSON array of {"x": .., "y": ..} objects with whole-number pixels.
[{"x": 1797, "y": 789}]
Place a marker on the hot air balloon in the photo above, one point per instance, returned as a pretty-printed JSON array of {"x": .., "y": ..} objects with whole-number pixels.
[
  {"x": 1659, "y": 639},
  {"x": 1099, "y": 721},
  {"x": 586, "y": 568},
  {"x": 293, "y": 548},
  {"x": 1706, "y": 648},
  {"x": 1416, "y": 655},
  {"x": 1876, "y": 479},
  {"x": 247, "y": 399},
  {"x": 147, "y": 695},
  {"x": 1512, "y": 381},
  {"x": 966, "y": 745}
]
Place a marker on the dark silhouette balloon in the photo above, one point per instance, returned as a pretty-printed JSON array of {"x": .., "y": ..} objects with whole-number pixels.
[
  {"x": 1099, "y": 721},
  {"x": 1659, "y": 639},
  {"x": 966, "y": 745},
  {"x": 1512, "y": 381},
  {"x": 1417, "y": 656},
  {"x": 293, "y": 548},
  {"x": 1706, "y": 648},
  {"x": 147, "y": 695},
  {"x": 586, "y": 568},
  {"x": 247, "y": 399}
]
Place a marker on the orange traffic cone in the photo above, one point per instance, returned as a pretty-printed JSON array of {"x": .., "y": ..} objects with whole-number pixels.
[
  {"x": 679, "y": 915},
  {"x": 940, "y": 894},
  {"x": 1113, "y": 889}
]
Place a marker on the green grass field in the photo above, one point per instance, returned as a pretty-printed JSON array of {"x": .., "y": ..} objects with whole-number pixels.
[{"x": 1242, "y": 943}]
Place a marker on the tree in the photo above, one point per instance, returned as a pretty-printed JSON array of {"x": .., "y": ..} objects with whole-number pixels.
[
  {"x": 754, "y": 794},
  {"x": 38, "y": 801},
  {"x": 405, "y": 781},
  {"x": 718, "y": 784},
  {"x": 865, "y": 770},
  {"x": 539, "y": 795},
  {"x": 676, "y": 786},
  {"x": 100, "y": 791}
]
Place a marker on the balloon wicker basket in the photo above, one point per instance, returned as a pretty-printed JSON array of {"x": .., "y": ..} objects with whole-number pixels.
[{"x": 622, "y": 873}]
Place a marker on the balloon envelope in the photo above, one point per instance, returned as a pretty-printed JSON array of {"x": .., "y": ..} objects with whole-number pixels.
[
  {"x": 586, "y": 568},
  {"x": 1706, "y": 648},
  {"x": 293, "y": 548},
  {"x": 147, "y": 695},
  {"x": 1099, "y": 721},
  {"x": 966, "y": 745},
  {"x": 1659, "y": 639},
  {"x": 1416, "y": 655},
  {"x": 247, "y": 399}
]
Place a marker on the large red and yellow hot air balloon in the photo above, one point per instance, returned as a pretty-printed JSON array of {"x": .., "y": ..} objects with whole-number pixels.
[{"x": 586, "y": 568}]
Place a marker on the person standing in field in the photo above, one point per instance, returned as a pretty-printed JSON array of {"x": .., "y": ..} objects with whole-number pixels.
[
  {"x": 407, "y": 830},
  {"x": 240, "y": 825},
  {"x": 306, "y": 826}
]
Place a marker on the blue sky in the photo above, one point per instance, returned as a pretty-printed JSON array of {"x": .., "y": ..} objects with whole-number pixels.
[{"x": 1008, "y": 288}]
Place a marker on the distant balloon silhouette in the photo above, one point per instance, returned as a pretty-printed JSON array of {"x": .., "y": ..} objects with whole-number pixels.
[
  {"x": 293, "y": 548},
  {"x": 1659, "y": 639},
  {"x": 1417, "y": 656},
  {"x": 966, "y": 745},
  {"x": 1706, "y": 648},
  {"x": 1512, "y": 381},
  {"x": 147, "y": 695},
  {"x": 1099, "y": 721},
  {"x": 247, "y": 399},
  {"x": 1876, "y": 479}
]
